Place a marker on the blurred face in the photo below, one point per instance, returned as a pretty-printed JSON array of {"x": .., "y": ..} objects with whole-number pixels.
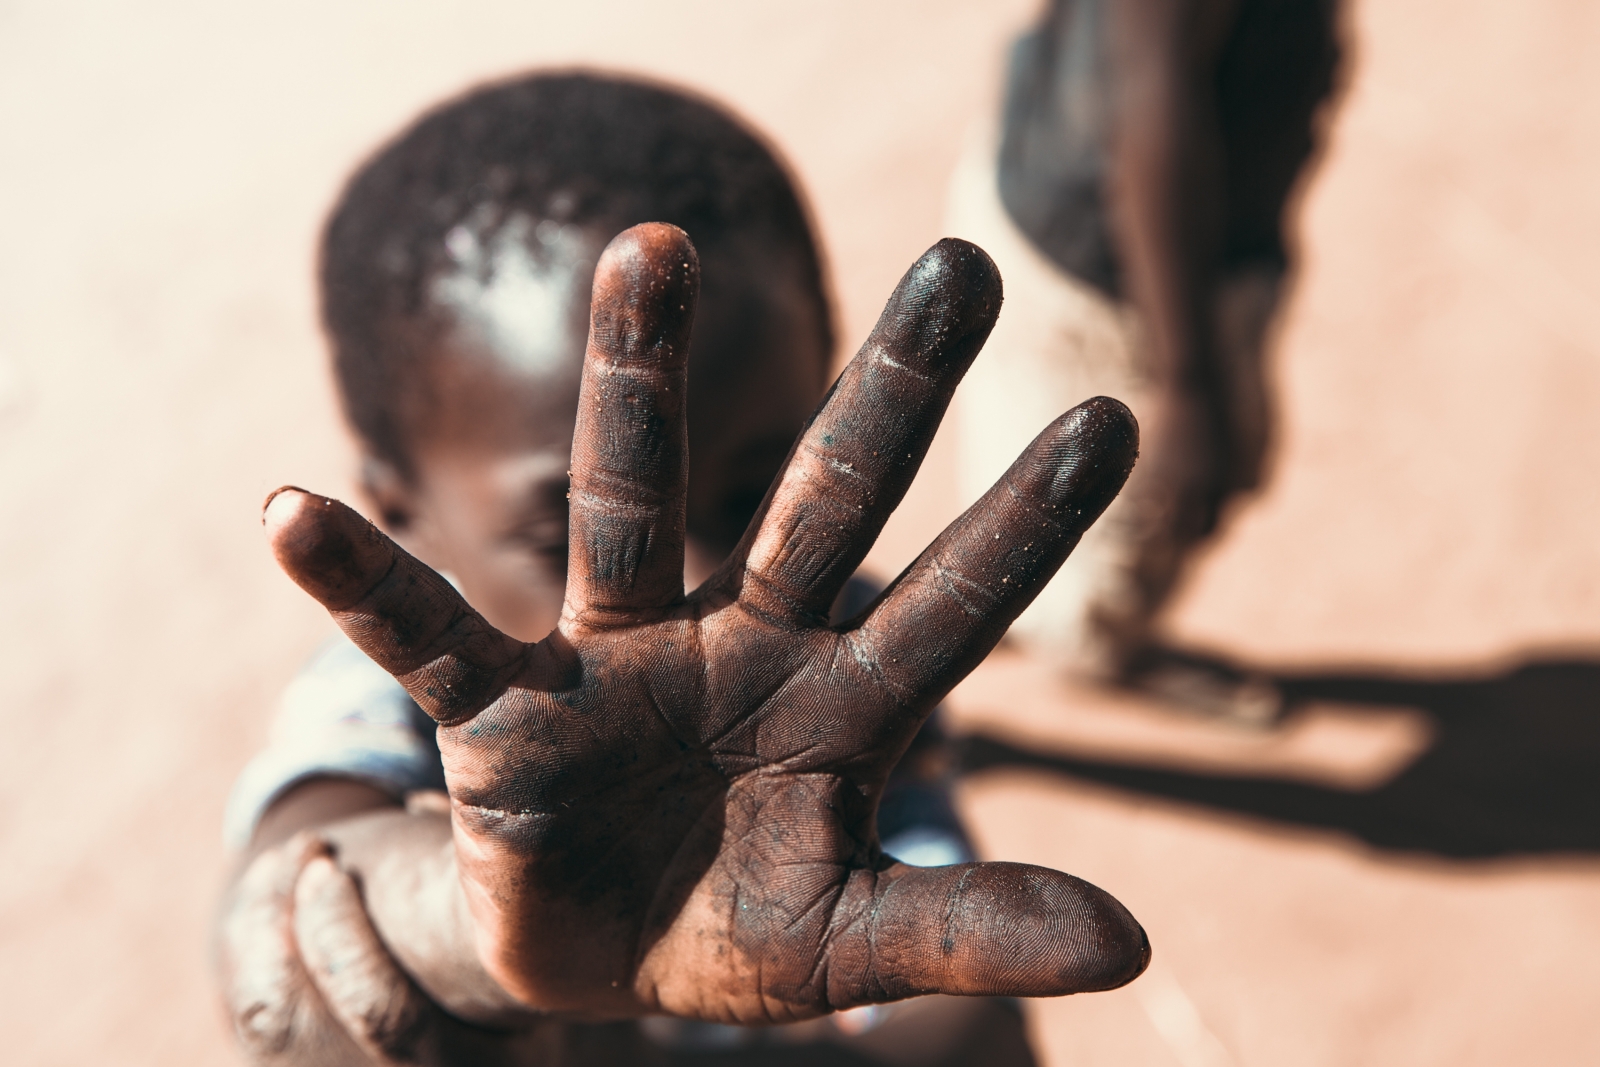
[{"x": 488, "y": 504}]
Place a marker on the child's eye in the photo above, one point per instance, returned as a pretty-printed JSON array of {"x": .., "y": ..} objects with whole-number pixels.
[
  {"x": 542, "y": 529},
  {"x": 544, "y": 540}
]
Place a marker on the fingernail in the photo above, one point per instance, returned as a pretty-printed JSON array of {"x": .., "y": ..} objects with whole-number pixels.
[{"x": 267, "y": 503}]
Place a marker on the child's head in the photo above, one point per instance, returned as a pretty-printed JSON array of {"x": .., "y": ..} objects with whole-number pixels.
[{"x": 456, "y": 271}]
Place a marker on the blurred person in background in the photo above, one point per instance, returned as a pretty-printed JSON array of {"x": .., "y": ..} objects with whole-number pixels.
[{"x": 1134, "y": 202}]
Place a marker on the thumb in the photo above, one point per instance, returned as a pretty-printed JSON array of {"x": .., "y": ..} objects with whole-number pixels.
[
  {"x": 393, "y": 606},
  {"x": 364, "y": 988},
  {"x": 988, "y": 929},
  {"x": 277, "y": 1015}
]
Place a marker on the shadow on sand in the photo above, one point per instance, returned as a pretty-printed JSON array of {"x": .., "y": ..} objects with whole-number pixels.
[{"x": 1514, "y": 768}]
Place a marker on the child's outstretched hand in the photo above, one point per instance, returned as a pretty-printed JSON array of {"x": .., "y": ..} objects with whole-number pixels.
[{"x": 668, "y": 804}]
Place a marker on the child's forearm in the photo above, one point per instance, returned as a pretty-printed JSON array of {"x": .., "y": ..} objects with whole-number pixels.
[{"x": 312, "y": 804}]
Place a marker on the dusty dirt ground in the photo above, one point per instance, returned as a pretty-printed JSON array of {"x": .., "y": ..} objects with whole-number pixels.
[{"x": 1405, "y": 874}]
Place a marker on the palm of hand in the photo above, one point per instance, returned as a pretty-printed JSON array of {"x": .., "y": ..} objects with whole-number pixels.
[
  {"x": 669, "y": 803},
  {"x": 698, "y": 852}
]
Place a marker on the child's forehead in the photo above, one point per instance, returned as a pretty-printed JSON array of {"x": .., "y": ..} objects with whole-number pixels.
[
  {"x": 503, "y": 375},
  {"x": 481, "y": 390},
  {"x": 519, "y": 289},
  {"x": 518, "y": 292}
]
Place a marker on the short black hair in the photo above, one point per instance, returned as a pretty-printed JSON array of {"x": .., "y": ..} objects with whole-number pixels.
[{"x": 595, "y": 151}]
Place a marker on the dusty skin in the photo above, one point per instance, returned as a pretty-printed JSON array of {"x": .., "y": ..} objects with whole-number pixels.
[{"x": 668, "y": 803}]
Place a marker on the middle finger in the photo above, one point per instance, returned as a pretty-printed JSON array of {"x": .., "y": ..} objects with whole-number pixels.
[{"x": 630, "y": 447}]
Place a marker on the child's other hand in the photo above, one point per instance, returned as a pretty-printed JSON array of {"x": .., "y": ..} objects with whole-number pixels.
[
  {"x": 668, "y": 804},
  {"x": 308, "y": 981},
  {"x": 290, "y": 1006}
]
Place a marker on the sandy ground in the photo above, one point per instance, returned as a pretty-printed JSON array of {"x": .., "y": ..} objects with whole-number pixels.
[{"x": 1424, "y": 891}]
